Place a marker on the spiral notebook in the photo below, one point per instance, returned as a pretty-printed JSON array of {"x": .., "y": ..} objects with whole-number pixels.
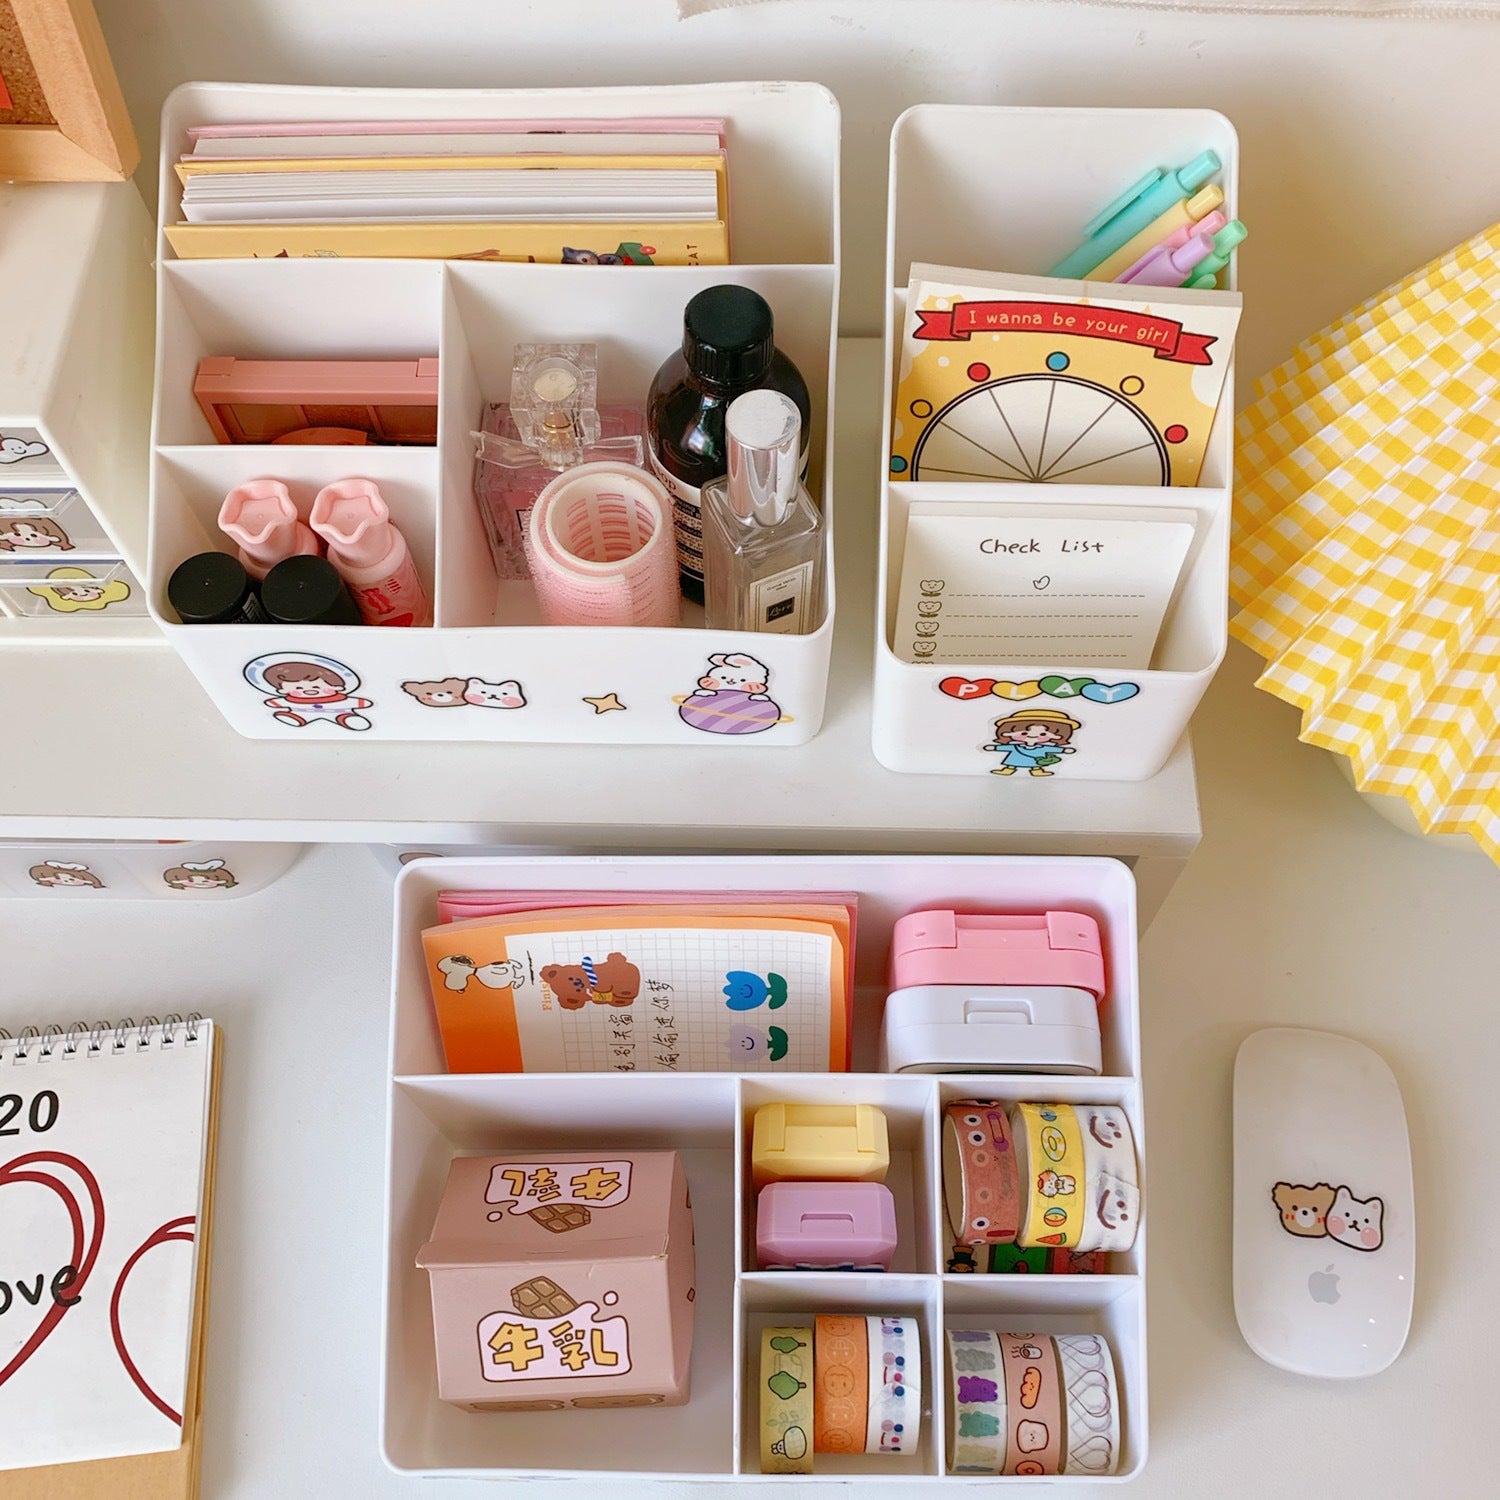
[{"x": 106, "y": 1173}]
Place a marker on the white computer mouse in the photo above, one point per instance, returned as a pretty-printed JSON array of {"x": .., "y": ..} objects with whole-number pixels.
[{"x": 1324, "y": 1230}]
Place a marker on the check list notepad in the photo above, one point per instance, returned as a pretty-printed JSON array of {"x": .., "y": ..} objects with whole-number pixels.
[{"x": 1078, "y": 586}]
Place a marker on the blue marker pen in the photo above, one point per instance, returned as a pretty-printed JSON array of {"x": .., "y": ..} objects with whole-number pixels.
[{"x": 1133, "y": 211}]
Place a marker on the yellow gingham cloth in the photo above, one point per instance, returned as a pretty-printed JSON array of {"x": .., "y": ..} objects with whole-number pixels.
[{"x": 1365, "y": 550}]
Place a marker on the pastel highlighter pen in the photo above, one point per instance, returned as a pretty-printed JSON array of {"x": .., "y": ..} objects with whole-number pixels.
[
  {"x": 370, "y": 554},
  {"x": 261, "y": 518}
]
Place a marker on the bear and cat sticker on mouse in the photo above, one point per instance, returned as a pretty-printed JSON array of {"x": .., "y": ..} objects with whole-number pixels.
[{"x": 1320, "y": 1211}]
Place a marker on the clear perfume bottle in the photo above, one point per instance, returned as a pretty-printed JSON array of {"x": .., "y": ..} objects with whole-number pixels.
[
  {"x": 762, "y": 534},
  {"x": 552, "y": 422}
]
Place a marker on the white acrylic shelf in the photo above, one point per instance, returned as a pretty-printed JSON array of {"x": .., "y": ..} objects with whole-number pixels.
[
  {"x": 782, "y": 141},
  {"x": 1046, "y": 172},
  {"x": 435, "y": 1115}
]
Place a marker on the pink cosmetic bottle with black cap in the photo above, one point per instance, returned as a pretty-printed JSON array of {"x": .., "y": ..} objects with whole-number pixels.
[{"x": 370, "y": 554}]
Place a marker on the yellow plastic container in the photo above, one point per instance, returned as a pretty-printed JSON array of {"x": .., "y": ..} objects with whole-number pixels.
[{"x": 819, "y": 1143}]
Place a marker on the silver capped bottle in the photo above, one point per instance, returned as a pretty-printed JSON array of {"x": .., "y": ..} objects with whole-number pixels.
[{"x": 762, "y": 534}]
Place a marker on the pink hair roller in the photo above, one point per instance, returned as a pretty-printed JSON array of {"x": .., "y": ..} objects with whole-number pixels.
[{"x": 601, "y": 548}]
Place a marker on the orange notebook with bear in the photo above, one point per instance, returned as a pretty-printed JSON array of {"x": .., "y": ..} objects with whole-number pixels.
[{"x": 687, "y": 988}]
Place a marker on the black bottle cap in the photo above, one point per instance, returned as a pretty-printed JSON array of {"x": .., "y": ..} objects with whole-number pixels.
[
  {"x": 307, "y": 591},
  {"x": 213, "y": 588},
  {"x": 728, "y": 336}
]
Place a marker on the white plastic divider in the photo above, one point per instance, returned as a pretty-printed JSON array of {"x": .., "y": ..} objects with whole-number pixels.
[
  {"x": 707, "y": 1117},
  {"x": 782, "y": 141},
  {"x": 1046, "y": 173}
]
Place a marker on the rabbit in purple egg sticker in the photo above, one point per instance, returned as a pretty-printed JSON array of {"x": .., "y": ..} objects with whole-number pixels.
[
  {"x": 732, "y": 697},
  {"x": 302, "y": 688}
]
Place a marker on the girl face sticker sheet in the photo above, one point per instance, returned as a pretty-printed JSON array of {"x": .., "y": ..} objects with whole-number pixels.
[{"x": 1032, "y": 380}]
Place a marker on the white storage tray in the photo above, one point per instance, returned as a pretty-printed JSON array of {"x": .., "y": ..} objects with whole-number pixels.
[
  {"x": 707, "y": 1117},
  {"x": 783, "y": 144},
  {"x": 1044, "y": 173}
]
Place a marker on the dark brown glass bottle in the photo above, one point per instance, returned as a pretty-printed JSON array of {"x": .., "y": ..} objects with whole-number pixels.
[{"x": 728, "y": 348}]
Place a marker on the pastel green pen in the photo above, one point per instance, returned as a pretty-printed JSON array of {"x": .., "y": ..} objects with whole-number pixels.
[
  {"x": 1232, "y": 234},
  {"x": 1132, "y": 211}
]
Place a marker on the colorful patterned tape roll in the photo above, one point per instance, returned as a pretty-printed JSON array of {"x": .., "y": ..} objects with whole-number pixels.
[
  {"x": 1049, "y": 1162},
  {"x": 894, "y": 1420},
  {"x": 1113, "y": 1208},
  {"x": 980, "y": 1187},
  {"x": 976, "y": 1402},
  {"x": 786, "y": 1400},
  {"x": 1031, "y": 1404},
  {"x": 841, "y": 1397}
]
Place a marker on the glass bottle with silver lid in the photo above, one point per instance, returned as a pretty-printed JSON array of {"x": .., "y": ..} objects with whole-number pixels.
[{"x": 762, "y": 534}]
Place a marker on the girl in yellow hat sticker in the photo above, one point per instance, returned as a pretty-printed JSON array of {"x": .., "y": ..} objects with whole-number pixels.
[{"x": 1032, "y": 740}]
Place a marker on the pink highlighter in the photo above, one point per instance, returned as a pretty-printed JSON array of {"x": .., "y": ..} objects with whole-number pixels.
[
  {"x": 261, "y": 517},
  {"x": 370, "y": 554}
]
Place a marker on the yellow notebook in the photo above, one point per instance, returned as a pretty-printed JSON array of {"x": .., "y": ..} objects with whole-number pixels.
[
  {"x": 705, "y": 244},
  {"x": 131, "y": 1115}
]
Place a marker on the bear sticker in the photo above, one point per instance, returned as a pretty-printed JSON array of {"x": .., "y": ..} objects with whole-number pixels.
[
  {"x": 1303, "y": 1210},
  {"x": 472, "y": 692},
  {"x": 614, "y": 981},
  {"x": 1324, "y": 1212}
]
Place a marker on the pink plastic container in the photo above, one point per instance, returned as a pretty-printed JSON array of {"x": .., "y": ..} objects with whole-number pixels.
[
  {"x": 943, "y": 947},
  {"x": 825, "y": 1226}
]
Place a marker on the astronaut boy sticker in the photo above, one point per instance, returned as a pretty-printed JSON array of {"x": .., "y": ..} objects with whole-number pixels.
[{"x": 302, "y": 688}]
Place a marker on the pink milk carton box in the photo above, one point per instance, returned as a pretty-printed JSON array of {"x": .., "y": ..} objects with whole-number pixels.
[{"x": 563, "y": 1279}]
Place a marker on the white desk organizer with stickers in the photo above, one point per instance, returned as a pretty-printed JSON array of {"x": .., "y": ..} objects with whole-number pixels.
[
  {"x": 707, "y": 1117},
  {"x": 1009, "y": 190},
  {"x": 782, "y": 141}
]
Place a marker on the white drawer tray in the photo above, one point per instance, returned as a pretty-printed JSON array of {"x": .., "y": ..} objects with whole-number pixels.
[{"x": 707, "y": 1117}]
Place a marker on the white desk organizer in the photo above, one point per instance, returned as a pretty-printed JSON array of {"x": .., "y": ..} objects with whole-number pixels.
[
  {"x": 1009, "y": 189},
  {"x": 707, "y": 1117},
  {"x": 75, "y": 262},
  {"x": 783, "y": 144}
]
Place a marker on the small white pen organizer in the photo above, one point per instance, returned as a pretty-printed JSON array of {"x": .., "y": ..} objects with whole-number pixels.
[
  {"x": 708, "y": 1117},
  {"x": 1010, "y": 189},
  {"x": 578, "y": 684}
]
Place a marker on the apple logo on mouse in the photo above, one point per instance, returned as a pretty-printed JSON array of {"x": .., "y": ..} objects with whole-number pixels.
[{"x": 1323, "y": 1286}]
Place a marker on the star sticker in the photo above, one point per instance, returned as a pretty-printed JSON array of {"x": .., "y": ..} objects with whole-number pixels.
[{"x": 605, "y": 704}]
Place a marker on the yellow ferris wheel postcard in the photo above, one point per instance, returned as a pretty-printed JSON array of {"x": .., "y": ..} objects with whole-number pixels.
[{"x": 1032, "y": 380}]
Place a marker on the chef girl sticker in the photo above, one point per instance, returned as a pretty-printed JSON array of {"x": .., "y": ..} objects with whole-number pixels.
[
  {"x": 303, "y": 688},
  {"x": 200, "y": 875}
]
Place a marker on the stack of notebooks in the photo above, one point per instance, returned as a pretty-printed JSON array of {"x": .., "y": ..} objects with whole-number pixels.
[{"x": 589, "y": 192}]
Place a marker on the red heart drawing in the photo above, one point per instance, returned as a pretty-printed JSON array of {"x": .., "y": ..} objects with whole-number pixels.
[
  {"x": 966, "y": 688},
  {"x": 182, "y": 1230},
  {"x": 82, "y": 1258}
]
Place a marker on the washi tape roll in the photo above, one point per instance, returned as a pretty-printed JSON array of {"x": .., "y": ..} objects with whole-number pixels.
[
  {"x": 786, "y": 1400},
  {"x": 1033, "y": 1404},
  {"x": 976, "y": 1402},
  {"x": 1093, "y": 1403},
  {"x": 894, "y": 1419},
  {"x": 980, "y": 1185},
  {"x": 841, "y": 1387},
  {"x": 1049, "y": 1162},
  {"x": 1113, "y": 1210}
]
